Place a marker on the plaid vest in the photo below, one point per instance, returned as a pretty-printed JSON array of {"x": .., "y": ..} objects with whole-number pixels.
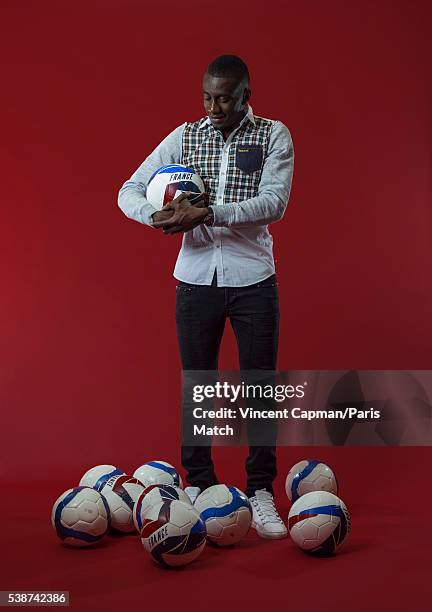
[{"x": 202, "y": 149}]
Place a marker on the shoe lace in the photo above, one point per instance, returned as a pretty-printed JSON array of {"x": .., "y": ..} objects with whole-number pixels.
[{"x": 267, "y": 510}]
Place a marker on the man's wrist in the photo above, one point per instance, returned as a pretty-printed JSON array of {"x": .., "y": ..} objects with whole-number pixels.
[{"x": 209, "y": 217}]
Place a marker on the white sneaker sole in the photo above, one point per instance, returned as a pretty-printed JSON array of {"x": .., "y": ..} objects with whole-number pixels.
[{"x": 268, "y": 535}]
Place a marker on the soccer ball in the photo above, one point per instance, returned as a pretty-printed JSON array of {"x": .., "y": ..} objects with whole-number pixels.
[
  {"x": 80, "y": 516},
  {"x": 173, "y": 533},
  {"x": 97, "y": 476},
  {"x": 309, "y": 475},
  {"x": 170, "y": 181},
  {"x": 121, "y": 493},
  {"x": 226, "y": 512},
  {"x": 158, "y": 472},
  {"x": 319, "y": 522},
  {"x": 155, "y": 494}
]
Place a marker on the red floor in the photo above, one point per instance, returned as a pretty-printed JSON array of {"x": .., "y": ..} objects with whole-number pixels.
[{"x": 384, "y": 564}]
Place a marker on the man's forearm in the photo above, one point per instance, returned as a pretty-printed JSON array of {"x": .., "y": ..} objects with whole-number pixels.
[
  {"x": 133, "y": 203},
  {"x": 131, "y": 198},
  {"x": 260, "y": 210}
]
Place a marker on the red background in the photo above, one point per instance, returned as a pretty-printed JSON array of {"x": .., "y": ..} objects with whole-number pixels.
[{"x": 89, "y": 369}]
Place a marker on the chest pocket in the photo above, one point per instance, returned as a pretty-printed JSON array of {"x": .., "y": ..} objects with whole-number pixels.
[{"x": 249, "y": 158}]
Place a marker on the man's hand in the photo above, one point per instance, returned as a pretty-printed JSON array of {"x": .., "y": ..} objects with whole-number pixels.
[
  {"x": 184, "y": 216},
  {"x": 162, "y": 215},
  {"x": 168, "y": 210}
]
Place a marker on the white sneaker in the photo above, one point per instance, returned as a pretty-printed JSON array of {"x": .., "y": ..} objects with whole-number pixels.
[
  {"x": 265, "y": 517},
  {"x": 192, "y": 493}
]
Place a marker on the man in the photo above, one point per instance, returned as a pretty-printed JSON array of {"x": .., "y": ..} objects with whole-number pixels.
[{"x": 225, "y": 266}]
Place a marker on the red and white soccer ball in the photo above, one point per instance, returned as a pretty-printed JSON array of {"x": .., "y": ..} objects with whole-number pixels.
[
  {"x": 155, "y": 494},
  {"x": 226, "y": 512},
  {"x": 80, "y": 516},
  {"x": 121, "y": 493},
  {"x": 307, "y": 476},
  {"x": 158, "y": 472},
  {"x": 319, "y": 522},
  {"x": 97, "y": 476},
  {"x": 170, "y": 181},
  {"x": 173, "y": 533}
]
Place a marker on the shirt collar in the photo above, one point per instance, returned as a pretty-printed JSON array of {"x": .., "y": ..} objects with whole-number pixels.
[{"x": 249, "y": 115}]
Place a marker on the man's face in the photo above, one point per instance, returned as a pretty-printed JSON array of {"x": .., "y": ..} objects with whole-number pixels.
[{"x": 225, "y": 100}]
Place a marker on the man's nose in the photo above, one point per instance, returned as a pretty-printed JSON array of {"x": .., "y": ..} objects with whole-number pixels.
[{"x": 214, "y": 108}]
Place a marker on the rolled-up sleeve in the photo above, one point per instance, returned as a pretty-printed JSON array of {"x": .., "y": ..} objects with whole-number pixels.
[
  {"x": 274, "y": 188},
  {"x": 131, "y": 198}
]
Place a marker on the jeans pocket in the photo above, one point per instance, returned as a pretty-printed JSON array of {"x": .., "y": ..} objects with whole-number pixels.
[
  {"x": 268, "y": 282},
  {"x": 185, "y": 288}
]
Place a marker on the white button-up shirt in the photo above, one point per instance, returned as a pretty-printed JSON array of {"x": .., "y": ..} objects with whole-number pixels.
[{"x": 239, "y": 246}]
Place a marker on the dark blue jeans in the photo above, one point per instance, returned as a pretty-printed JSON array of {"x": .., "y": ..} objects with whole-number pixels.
[{"x": 201, "y": 312}]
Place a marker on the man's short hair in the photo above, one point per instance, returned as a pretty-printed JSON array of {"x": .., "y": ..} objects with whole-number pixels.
[{"x": 229, "y": 66}]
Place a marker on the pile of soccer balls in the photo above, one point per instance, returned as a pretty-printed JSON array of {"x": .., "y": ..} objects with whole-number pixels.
[
  {"x": 173, "y": 531},
  {"x": 152, "y": 502}
]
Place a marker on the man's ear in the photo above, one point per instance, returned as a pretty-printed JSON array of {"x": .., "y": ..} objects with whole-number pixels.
[{"x": 246, "y": 95}]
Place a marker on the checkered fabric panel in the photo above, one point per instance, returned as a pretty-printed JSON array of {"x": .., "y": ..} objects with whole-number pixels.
[{"x": 202, "y": 151}]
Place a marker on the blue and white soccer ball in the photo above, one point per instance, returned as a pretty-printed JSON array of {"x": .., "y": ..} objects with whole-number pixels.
[
  {"x": 158, "y": 472},
  {"x": 121, "y": 493},
  {"x": 170, "y": 181},
  {"x": 80, "y": 516},
  {"x": 227, "y": 513},
  {"x": 319, "y": 522},
  {"x": 307, "y": 476},
  {"x": 97, "y": 476},
  {"x": 173, "y": 533},
  {"x": 155, "y": 494}
]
